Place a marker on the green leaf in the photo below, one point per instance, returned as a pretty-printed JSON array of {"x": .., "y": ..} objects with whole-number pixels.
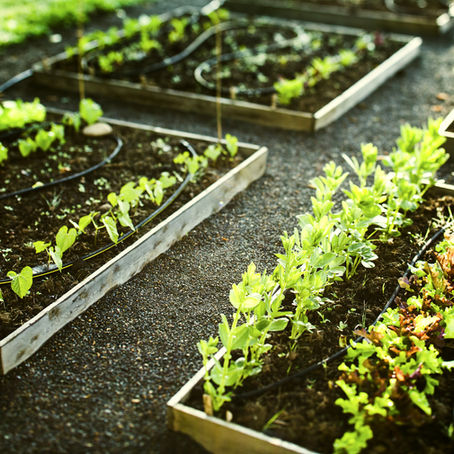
[
  {"x": 111, "y": 227},
  {"x": 26, "y": 146},
  {"x": 112, "y": 199},
  {"x": 224, "y": 330},
  {"x": 56, "y": 255},
  {"x": 232, "y": 375},
  {"x": 420, "y": 400},
  {"x": 448, "y": 317},
  {"x": 240, "y": 337},
  {"x": 3, "y": 153},
  {"x": 65, "y": 238},
  {"x": 278, "y": 324},
  {"x": 89, "y": 110},
  {"x": 85, "y": 221},
  {"x": 22, "y": 282},
  {"x": 40, "y": 246}
]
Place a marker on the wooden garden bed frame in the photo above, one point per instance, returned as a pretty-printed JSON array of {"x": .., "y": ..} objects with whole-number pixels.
[
  {"x": 26, "y": 340},
  {"x": 44, "y": 74},
  {"x": 362, "y": 18},
  {"x": 447, "y": 131},
  {"x": 222, "y": 437}
]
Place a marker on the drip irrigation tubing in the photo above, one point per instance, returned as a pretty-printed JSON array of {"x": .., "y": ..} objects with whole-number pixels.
[
  {"x": 189, "y": 50},
  {"x": 16, "y": 79},
  {"x": 195, "y": 13},
  {"x": 208, "y": 64},
  {"x": 323, "y": 362},
  {"x": 45, "y": 270},
  {"x": 119, "y": 145},
  {"x": 207, "y": 9}
]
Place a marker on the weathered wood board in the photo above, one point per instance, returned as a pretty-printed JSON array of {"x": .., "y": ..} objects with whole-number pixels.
[
  {"x": 221, "y": 437},
  {"x": 44, "y": 74},
  {"x": 26, "y": 340},
  {"x": 447, "y": 131},
  {"x": 361, "y": 18}
]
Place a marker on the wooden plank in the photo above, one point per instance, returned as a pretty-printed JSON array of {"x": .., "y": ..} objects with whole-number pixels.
[
  {"x": 178, "y": 100},
  {"x": 27, "y": 339},
  {"x": 219, "y": 436},
  {"x": 447, "y": 124},
  {"x": 240, "y": 110},
  {"x": 367, "y": 19},
  {"x": 368, "y": 84}
]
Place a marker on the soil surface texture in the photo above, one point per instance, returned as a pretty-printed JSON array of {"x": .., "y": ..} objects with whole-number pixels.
[{"x": 101, "y": 383}]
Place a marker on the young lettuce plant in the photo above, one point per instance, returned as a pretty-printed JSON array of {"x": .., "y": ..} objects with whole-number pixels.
[
  {"x": 391, "y": 373},
  {"x": 43, "y": 140},
  {"x": 3, "y": 153},
  {"x": 16, "y": 114}
]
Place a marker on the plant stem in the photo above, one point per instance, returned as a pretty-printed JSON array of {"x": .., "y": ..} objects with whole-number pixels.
[
  {"x": 80, "y": 33},
  {"x": 218, "y": 81}
]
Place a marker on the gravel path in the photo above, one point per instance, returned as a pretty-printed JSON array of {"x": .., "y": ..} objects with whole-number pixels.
[{"x": 101, "y": 384}]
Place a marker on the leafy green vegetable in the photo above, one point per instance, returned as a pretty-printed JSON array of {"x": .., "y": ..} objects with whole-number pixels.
[
  {"x": 329, "y": 245},
  {"x": 3, "y": 153},
  {"x": 16, "y": 114},
  {"x": 89, "y": 110},
  {"x": 20, "y": 20}
]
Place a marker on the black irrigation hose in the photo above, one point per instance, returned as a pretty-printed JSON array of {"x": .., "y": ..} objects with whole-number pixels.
[
  {"x": 46, "y": 269},
  {"x": 208, "y": 64},
  {"x": 73, "y": 176},
  {"x": 16, "y": 79},
  {"x": 195, "y": 14},
  {"x": 193, "y": 46},
  {"x": 322, "y": 363}
]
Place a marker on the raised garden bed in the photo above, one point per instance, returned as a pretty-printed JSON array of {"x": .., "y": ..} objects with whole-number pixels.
[
  {"x": 447, "y": 131},
  {"x": 303, "y": 409},
  {"x": 435, "y": 18},
  {"x": 58, "y": 298},
  {"x": 335, "y": 68},
  {"x": 351, "y": 330}
]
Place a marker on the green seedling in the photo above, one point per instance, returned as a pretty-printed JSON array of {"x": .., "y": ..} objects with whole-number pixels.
[
  {"x": 16, "y": 114},
  {"x": 22, "y": 282},
  {"x": 3, "y": 153},
  {"x": 90, "y": 111}
]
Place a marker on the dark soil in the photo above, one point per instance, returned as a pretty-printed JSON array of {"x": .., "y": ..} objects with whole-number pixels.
[
  {"x": 101, "y": 384},
  {"x": 308, "y": 415},
  {"x": 38, "y": 215},
  {"x": 242, "y": 78}
]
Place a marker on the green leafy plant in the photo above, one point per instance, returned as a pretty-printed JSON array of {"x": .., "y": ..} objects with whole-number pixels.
[
  {"x": 90, "y": 111},
  {"x": 397, "y": 362},
  {"x": 28, "y": 18},
  {"x": 178, "y": 29},
  {"x": 3, "y": 153},
  {"x": 319, "y": 69},
  {"x": 21, "y": 282},
  {"x": 329, "y": 245},
  {"x": 16, "y": 114}
]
